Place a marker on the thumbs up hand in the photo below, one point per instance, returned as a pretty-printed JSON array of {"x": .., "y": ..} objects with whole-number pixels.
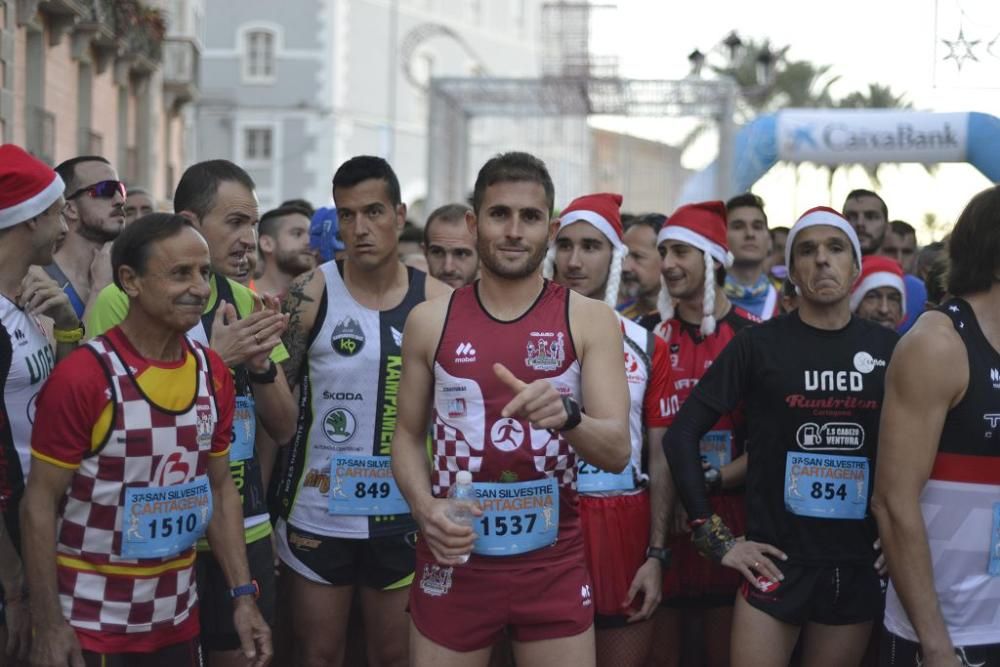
[{"x": 538, "y": 402}]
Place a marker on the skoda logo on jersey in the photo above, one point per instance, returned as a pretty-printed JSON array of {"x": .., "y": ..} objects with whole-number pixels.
[
  {"x": 507, "y": 434},
  {"x": 339, "y": 425},
  {"x": 348, "y": 338},
  {"x": 866, "y": 363}
]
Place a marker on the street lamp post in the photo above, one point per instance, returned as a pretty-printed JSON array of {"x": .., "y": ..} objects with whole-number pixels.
[{"x": 729, "y": 91}]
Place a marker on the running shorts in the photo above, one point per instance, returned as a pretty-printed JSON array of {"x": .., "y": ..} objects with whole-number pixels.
[
  {"x": 693, "y": 581},
  {"x": 182, "y": 654},
  {"x": 382, "y": 563},
  {"x": 827, "y": 594},
  {"x": 615, "y": 537},
  {"x": 466, "y": 609},
  {"x": 217, "y": 630}
]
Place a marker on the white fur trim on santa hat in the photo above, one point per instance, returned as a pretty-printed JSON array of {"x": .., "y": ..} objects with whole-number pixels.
[
  {"x": 677, "y": 233},
  {"x": 814, "y": 219},
  {"x": 874, "y": 281},
  {"x": 594, "y": 218},
  {"x": 33, "y": 206}
]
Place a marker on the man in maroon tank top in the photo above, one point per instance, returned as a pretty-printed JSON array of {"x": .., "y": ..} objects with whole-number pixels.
[{"x": 503, "y": 367}]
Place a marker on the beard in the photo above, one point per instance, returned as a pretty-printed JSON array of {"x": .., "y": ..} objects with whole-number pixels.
[
  {"x": 490, "y": 259},
  {"x": 96, "y": 232},
  {"x": 293, "y": 263}
]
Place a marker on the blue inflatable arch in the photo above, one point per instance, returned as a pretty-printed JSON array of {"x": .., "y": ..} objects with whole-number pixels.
[{"x": 847, "y": 136}]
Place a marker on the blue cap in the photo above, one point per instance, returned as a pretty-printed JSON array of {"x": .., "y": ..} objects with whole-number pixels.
[{"x": 324, "y": 233}]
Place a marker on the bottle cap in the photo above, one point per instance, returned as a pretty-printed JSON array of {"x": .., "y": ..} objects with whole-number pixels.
[{"x": 463, "y": 477}]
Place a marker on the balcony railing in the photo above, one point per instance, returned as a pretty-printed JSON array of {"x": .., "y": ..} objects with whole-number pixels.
[
  {"x": 41, "y": 134},
  {"x": 180, "y": 69}
]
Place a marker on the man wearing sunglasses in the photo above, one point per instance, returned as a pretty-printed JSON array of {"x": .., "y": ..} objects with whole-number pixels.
[{"x": 95, "y": 215}]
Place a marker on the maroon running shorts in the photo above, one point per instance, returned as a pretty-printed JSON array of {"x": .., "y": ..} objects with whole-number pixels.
[{"x": 463, "y": 608}]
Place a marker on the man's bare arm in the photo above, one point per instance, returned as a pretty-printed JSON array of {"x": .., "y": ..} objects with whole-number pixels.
[
  {"x": 602, "y": 438},
  {"x": 446, "y": 539},
  {"x": 659, "y": 488},
  {"x": 301, "y": 304},
  {"x": 54, "y": 640},
  {"x": 927, "y": 375}
]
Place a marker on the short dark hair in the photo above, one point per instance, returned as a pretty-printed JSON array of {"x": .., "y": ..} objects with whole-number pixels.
[
  {"x": 67, "y": 170},
  {"x": 652, "y": 220},
  {"x": 200, "y": 183},
  {"x": 512, "y": 167},
  {"x": 936, "y": 280},
  {"x": 975, "y": 245},
  {"x": 859, "y": 193},
  {"x": 270, "y": 222},
  {"x": 363, "y": 167},
  {"x": 779, "y": 230},
  {"x": 133, "y": 246},
  {"x": 446, "y": 213},
  {"x": 307, "y": 208},
  {"x": 747, "y": 199},
  {"x": 927, "y": 255},
  {"x": 900, "y": 228}
]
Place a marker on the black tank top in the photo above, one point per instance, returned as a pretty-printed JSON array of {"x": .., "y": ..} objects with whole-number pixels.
[{"x": 972, "y": 427}]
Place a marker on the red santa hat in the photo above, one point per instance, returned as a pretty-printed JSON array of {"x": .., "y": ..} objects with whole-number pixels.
[
  {"x": 878, "y": 271},
  {"x": 28, "y": 186},
  {"x": 702, "y": 226},
  {"x": 603, "y": 211}
]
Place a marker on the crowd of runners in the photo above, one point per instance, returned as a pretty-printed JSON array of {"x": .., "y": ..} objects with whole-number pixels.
[{"x": 229, "y": 438}]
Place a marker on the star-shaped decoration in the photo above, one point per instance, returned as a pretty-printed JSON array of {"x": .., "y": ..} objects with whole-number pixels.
[
  {"x": 961, "y": 49},
  {"x": 953, "y": 309}
]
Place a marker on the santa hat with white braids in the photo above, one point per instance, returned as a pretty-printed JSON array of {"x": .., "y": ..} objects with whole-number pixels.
[
  {"x": 603, "y": 211},
  {"x": 702, "y": 226}
]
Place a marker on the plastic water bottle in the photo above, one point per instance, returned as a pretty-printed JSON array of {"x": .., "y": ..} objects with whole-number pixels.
[{"x": 460, "y": 493}]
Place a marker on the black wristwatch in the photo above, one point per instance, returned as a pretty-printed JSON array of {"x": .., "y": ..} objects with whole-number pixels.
[
  {"x": 573, "y": 415},
  {"x": 661, "y": 554},
  {"x": 267, "y": 377}
]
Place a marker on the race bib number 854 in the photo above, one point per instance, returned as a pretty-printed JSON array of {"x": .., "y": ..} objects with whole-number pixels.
[{"x": 826, "y": 486}]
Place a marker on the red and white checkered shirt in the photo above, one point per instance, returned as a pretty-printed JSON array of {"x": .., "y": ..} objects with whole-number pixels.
[{"x": 147, "y": 446}]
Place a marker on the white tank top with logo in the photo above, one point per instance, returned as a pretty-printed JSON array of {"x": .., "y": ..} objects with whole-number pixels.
[{"x": 30, "y": 363}]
